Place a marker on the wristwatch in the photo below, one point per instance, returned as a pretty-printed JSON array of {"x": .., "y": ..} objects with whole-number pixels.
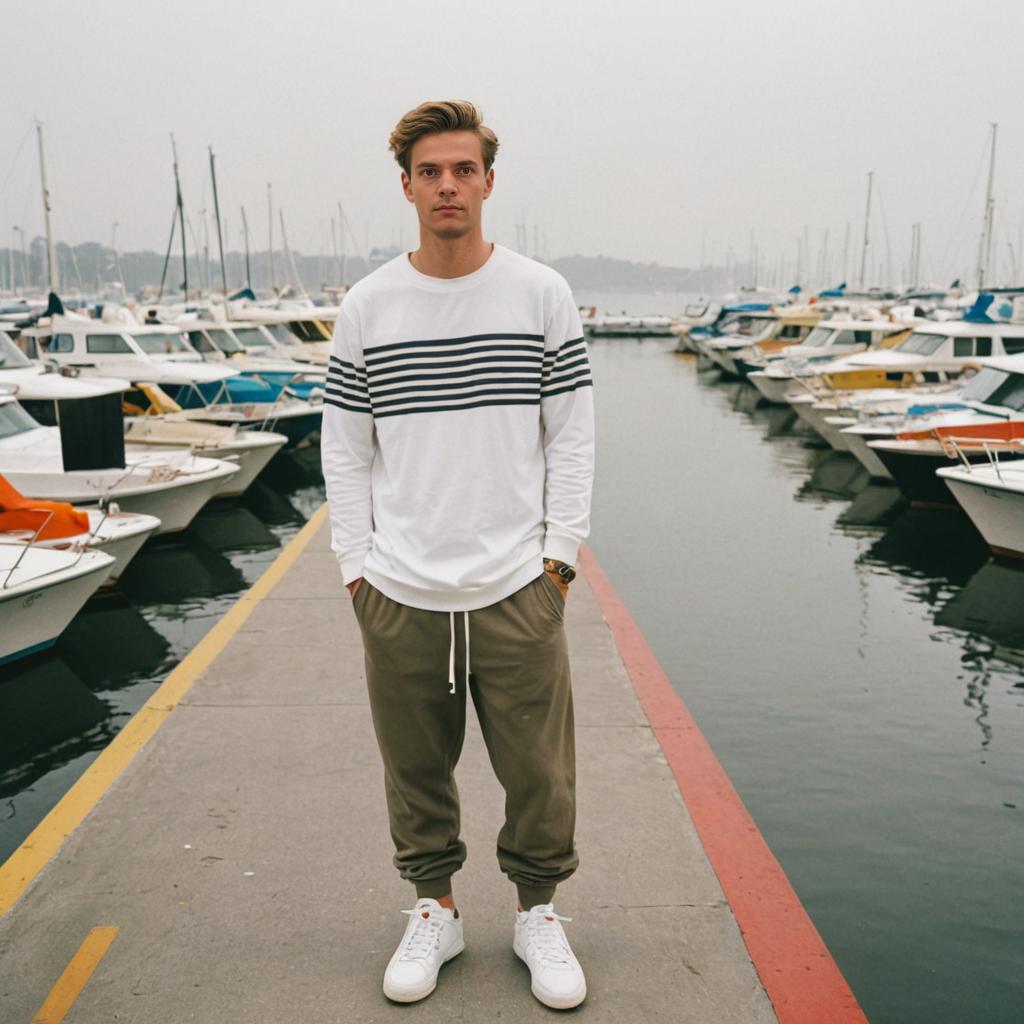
[{"x": 567, "y": 572}]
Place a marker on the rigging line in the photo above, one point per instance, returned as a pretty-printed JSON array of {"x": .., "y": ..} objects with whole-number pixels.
[
  {"x": 956, "y": 237},
  {"x": 885, "y": 231},
  {"x": 21, "y": 146}
]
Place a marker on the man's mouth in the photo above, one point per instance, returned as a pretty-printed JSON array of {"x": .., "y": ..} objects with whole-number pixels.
[{"x": 448, "y": 206}]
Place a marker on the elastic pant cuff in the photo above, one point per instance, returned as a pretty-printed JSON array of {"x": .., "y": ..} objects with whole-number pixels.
[
  {"x": 433, "y": 888},
  {"x": 532, "y": 895}
]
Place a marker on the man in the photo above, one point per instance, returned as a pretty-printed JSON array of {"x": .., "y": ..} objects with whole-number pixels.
[{"x": 458, "y": 455}]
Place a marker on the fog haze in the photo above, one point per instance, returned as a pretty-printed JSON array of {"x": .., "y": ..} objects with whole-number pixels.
[{"x": 642, "y": 130}]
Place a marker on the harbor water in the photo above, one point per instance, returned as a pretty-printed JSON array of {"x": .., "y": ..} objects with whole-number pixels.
[{"x": 857, "y": 666}]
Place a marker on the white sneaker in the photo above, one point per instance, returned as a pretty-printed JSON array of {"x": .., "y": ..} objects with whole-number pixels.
[
  {"x": 541, "y": 944},
  {"x": 432, "y": 937}
]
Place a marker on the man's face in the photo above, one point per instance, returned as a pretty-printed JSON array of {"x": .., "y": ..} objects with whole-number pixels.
[{"x": 448, "y": 183}]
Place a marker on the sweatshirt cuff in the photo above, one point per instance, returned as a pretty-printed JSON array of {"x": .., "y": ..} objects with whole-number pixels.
[
  {"x": 560, "y": 548},
  {"x": 351, "y": 568}
]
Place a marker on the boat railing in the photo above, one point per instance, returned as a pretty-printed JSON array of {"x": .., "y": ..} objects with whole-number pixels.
[
  {"x": 960, "y": 448},
  {"x": 25, "y": 545}
]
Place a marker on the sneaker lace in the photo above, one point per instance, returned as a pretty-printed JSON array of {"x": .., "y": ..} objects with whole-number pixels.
[
  {"x": 546, "y": 939},
  {"x": 423, "y": 938}
]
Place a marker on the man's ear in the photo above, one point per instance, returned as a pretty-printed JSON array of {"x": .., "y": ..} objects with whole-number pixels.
[
  {"x": 488, "y": 182},
  {"x": 407, "y": 187}
]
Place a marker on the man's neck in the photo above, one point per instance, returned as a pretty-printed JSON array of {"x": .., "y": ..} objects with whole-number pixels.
[{"x": 450, "y": 257}]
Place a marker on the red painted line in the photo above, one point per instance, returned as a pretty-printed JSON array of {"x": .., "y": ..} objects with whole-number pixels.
[{"x": 798, "y": 973}]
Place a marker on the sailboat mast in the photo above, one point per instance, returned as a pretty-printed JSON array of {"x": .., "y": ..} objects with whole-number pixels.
[
  {"x": 245, "y": 235},
  {"x": 985, "y": 248},
  {"x": 341, "y": 245},
  {"x": 181, "y": 217},
  {"x": 270, "y": 230},
  {"x": 117, "y": 261},
  {"x": 220, "y": 234},
  {"x": 867, "y": 225},
  {"x": 50, "y": 266},
  {"x": 290, "y": 258}
]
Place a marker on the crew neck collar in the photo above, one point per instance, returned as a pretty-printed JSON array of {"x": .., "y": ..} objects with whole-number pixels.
[{"x": 451, "y": 284}]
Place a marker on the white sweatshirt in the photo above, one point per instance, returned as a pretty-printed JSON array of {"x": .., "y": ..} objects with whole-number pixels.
[{"x": 458, "y": 431}]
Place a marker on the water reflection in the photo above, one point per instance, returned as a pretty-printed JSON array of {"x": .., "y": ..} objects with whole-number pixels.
[
  {"x": 875, "y": 505},
  {"x": 48, "y": 717},
  {"x": 936, "y": 550},
  {"x": 990, "y": 609},
  {"x": 110, "y": 645},
  {"x": 835, "y": 476}
]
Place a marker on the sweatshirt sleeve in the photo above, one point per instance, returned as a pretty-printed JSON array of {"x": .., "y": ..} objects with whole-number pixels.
[
  {"x": 567, "y": 416},
  {"x": 346, "y": 448}
]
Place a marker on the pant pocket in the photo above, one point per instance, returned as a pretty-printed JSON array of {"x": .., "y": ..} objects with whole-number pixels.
[{"x": 551, "y": 595}]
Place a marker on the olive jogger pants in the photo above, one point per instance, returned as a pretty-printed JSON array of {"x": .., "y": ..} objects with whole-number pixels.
[{"x": 520, "y": 685}]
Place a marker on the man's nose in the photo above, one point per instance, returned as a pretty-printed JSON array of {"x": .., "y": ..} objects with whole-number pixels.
[{"x": 447, "y": 183}]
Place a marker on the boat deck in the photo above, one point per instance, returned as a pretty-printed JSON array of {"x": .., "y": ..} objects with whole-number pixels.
[{"x": 227, "y": 858}]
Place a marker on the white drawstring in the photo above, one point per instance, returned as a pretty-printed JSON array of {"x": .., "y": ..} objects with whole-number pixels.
[
  {"x": 451, "y": 650},
  {"x": 451, "y": 653}
]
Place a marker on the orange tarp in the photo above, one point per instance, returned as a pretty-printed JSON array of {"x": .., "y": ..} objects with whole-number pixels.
[
  {"x": 20, "y": 513},
  {"x": 994, "y": 430}
]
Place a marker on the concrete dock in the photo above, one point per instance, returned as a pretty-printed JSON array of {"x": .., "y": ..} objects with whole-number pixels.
[{"x": 227, "y": 859}]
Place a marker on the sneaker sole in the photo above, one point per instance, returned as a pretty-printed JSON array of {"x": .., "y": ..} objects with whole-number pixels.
[
  {"x": 550, "y": 999},
  {"x": 415, "y": 995}
]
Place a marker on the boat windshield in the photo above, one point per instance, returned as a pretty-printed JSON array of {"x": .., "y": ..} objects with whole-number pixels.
[
  {"x": 251, "y": 337},
  {"x": 851, "y": 338},
  {"x": 741, "y": 324},
  {"x": 224, "y": 341},
  {"x": 996, "y": 387},
  {"x": 760, "y": 327},
  {"x": 309, "y": 330},
  {"x": 921, "y": 344},
  {"x": 818, "y": 336},
  {"x": 980, "y": 387},
  {"x": 14, "y": 420},
  {"x": 280, "y": 334},
  {"x": 10, "y": 355},
  {"x": 160, "y": 344}
]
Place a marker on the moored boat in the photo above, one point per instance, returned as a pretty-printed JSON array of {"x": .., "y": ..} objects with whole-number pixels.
[
  {"x": 41, "y": 591},
  {"x": 992, "y": 494}
]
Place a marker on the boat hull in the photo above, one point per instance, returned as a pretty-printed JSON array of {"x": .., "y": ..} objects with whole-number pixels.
[
  {"x": 914, "y": 474},
  {"x": 997, "y": 510},
  {"x": 35, "y": 612},
  {"x": 773, "y": 389}
]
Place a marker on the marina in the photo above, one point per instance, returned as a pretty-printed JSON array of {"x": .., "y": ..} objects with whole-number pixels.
[
  {"x": 780, "y": 628},
  {"x": 720, "y": 317}
]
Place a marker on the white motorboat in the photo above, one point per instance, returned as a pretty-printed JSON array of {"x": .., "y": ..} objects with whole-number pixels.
[
  {"x": 248, "y": 348},
  {"x": 251, "y": 450},
  {"x": 992, "y": 494},
  {"x": 171, "y": 486},
  {"x": 696, "y": 314},
  {"x": 830, "y": 340},
  {"x": 119, "y": 534},
  {"x": 41, "y": 591},
  {"x": 981, "y": 406},
  {"x": 210, "y": 392},
  {"x": 768, "y": 335}
]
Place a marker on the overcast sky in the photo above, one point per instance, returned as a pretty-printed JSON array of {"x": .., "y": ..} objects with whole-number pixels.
[{"x": 641, "y": 129}]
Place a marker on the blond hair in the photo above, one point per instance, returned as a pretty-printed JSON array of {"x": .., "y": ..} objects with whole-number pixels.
[{"x": 441, "y": 116}]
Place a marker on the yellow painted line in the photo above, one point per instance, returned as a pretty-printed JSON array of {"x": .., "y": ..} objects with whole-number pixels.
[
  {"x": 77, "y": 973},
  {"x": 18, "y": 871}
]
